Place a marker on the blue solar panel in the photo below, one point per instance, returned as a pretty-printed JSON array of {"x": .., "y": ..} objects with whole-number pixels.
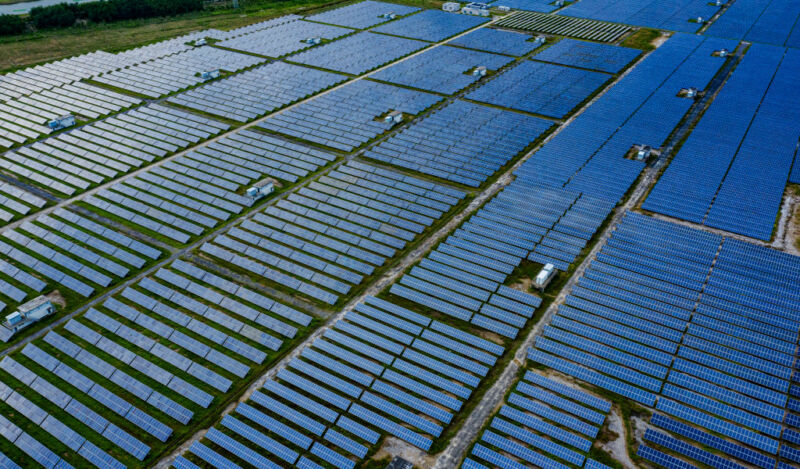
[
  {"x": 591, "y": 55},
  {"x": 736, "y": 191},
  {"x": 720, "y": 426},
  {"x": 663, "y": 459},
  {"x": 678, "y": 17},
  {"x": 443, "y": 69},
  {"x": 258, "y": 438},
  {"x": 431, "y": 25},
  {"x": 540, "y": 88},
  {"x": 706, "y": 439},
  {"x": 273, "y": 425},
  {"x": 773, "y": 22},
  {"x": 497, "y": 41},
  {"x": 693, "y": 452}
]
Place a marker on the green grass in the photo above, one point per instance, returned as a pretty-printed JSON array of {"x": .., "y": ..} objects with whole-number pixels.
[{"x": 642, "y": 39}]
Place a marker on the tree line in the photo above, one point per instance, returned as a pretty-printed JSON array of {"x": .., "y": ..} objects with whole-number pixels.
[{"x": 64, "y": 15}]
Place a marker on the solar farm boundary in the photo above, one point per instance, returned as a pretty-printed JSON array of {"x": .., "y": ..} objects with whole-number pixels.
[
  {"x": 399, "y": 269},
  {"x": 452, "y": 457}
]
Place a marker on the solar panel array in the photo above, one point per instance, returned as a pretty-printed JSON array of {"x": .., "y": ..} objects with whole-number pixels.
[
  {"x": 176, "y": 72},
  {"x": 699, "y": 326},
  {"x": 379, "y": 370},
  {"x": 251, "y": 28},
  {"x": 464, "y": 276},
  {"x": 540, "y": 88},
  {"x": 31, "y": 97},
  {"x": 362, "y": 15},
  {"x": 328, "y": 237},
  {"x": 71, "y": 70},
  {"x": 443, "y": 69},
  {"x": 193, "y": 193},
  {"x": 431, "y": 25},
  {"x": 67, "y": 250},
  {"x": 768, "y": 21},
  {"x": 680, "y": 15},
  {"x": 16, "y": 202},
  {"x": 588, "y": 155},
  {"x": 257, "y": 92},
  {"x": 497, "y": 41},
  {"x": 590, "y": 55},
  {"x": 564, "y": 26},
  {"x": 461, "y": 142},
  {"x": 26, "y": 117},
  {"x": 43, "y": 77},
  {"x": 735, "y": 179},
  {"x": 134, "y": 370},
  {"x": 348, "y": 117},
  {"x": 283, "y": 39},
  {"x": 542, "y": 423},
  {"x": 92, "y": 154},
  {"x": 359, "y": 53}
]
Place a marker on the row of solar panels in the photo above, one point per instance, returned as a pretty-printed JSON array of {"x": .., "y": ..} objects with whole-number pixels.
[
  {"x": 463, "y": 277},
  {"x": 724, "y": 179},
  {"x": 588, "y": 155},
  {"x": 193, "y": 193},
  {"x": 564, "y": 26},
  {"x": 330, "y": 236},
  {"x": 543, "y": 423},
  {"x": 638, "y": 312},
  {"x": 130, "y": 374},
  {"x": 381, "y": 370},
  {"x": 681, "y": 16},
  {"x": 16, "y": 202},
  {"x": 104, "y": 150}
]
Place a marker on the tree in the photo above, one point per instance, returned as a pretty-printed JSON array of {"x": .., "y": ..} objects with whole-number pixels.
[
  {"x": 60, "y": 15},
  {"x": 11, "y": 25}
]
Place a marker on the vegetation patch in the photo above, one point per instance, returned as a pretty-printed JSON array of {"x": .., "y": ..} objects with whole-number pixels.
[{"x": 642, "y": 39}]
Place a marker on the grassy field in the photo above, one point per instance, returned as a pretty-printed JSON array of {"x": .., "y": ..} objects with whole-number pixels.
[{"x": 642, "y": 39}]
